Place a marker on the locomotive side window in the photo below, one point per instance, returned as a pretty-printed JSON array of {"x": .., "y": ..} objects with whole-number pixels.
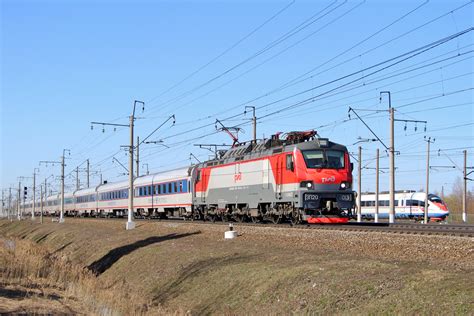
[{"x": 289, "y": 163}]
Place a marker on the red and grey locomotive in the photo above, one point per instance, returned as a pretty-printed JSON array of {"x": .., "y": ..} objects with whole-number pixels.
[{"x": 301, "y": 178}]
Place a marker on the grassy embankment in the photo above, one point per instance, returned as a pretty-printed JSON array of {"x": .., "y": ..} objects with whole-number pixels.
[{"x": 96, "y": 267}]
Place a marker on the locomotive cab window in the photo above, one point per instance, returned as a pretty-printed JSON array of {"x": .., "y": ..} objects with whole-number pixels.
[
  {"x": 335, "y": 159},
  {"x": 314, "y": 158},
  {"x": 330, "y": 159}
]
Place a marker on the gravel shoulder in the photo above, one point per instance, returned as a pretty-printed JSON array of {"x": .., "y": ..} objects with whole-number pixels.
[{"x": 181, "y": 268}]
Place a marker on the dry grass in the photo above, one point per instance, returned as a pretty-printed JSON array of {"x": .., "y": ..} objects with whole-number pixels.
[
  {"x": 96, "y": 267},
  {"x": 35, "y": 273}
]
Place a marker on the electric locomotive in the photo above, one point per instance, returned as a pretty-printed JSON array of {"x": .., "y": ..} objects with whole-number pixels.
[{"x": 300, "y": 178}]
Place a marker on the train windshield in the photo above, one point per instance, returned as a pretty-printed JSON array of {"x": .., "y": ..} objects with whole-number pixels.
[
  {"x": 435, "y": 198},
  {"x": 328, "y": 159}
]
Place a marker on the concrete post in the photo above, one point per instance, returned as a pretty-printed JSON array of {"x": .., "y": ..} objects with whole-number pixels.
[
  {"x": 377, "y": 170},
  {"x": 359, "y": 188}
]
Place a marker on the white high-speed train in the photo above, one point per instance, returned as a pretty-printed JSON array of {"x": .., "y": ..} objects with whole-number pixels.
[{"x": 408, "y": 204}]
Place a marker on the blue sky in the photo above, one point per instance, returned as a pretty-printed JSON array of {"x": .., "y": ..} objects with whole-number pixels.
[{"x": 67, "y": 63}]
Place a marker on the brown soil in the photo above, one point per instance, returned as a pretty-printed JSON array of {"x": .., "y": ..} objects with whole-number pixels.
[{"x": 168, "y": 267}]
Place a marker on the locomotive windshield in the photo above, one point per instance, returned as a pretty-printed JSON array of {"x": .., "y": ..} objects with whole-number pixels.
[
  {"x": 328, "y": 159},
  {"x": 434, "y": 198}
]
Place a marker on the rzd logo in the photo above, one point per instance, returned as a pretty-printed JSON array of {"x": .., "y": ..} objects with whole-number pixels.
[
  {"x": 330, "y": 179},
  {"x": 238, "y": 177}
]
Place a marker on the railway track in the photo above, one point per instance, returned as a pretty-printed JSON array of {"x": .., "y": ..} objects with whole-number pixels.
[{"x": 462, "y": 230}]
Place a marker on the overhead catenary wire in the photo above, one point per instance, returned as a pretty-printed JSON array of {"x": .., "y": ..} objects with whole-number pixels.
[
  {"x": 308, "y": 22},
  {"x": 407, "y": 56},
  {"x": 234, "y": 45},
  {"x": 292, "y": 82}
]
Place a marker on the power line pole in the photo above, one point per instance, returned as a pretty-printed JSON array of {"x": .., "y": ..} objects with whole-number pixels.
[
  {"x": 3, "y": 202},
  {"x": 464, "y": 191},
  {"x": 391, "y": 152},
  {"x": 428, "y": 143},
  {"x": 77, "y": 178},
  {"x": 392, "y": 166},
  {"x": 61, "y": 214},
  {"x": 34, "y": 194},
  {"x": 130, "y": 223},
  {"x": 254, "y": 121},
  {"x": 19, "y": 200},
  {"x": 377, "y": 158},
  {"x": 63, "y": 164},
  {"x": 41, "y": 205},
  {"x": 88, "y": 173},
  {"x": 359, "y": 188},
  {"x": 10, "y": 203},
  {"x": 138, "y": 157}
]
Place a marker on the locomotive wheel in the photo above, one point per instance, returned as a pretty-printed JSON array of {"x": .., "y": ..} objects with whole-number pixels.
[
  {"x": 294, "y": 219},
  {"x": 240, "y": 218},
  {"x": 275, "y": 219},
  {"x": 254, "y": 219}
]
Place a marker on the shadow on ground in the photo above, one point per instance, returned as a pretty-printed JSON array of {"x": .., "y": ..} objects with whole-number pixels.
[
  {"x": 18, "y": 294},
  {"x": 103, "y": 264}
]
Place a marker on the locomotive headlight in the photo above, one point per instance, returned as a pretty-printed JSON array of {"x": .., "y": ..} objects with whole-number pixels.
[
  {"x": 306, "y": 184},
  {"x": 344, "y": 185}
]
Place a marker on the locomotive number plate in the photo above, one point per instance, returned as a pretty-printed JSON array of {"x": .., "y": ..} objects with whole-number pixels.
[{"x": 311, "y": 197}]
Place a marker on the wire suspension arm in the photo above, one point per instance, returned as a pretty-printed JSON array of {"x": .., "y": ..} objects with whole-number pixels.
[
  {"x": 115, "y": 159},
  {"x": 156, "y": 129},
  {"x": 373, "y": 133}
]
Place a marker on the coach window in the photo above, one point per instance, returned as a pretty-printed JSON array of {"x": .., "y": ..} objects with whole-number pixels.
[
  {"x": 150, "y": 190},
  {"x": 170, "y": 188},
  {"x": 175, "y": 184}
]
